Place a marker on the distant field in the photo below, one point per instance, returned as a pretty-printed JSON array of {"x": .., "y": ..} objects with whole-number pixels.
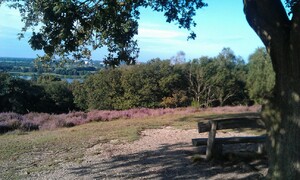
[
  {"x": 16, "y": 61},
  {"x": 39, "y": 151},
  {"x": 27, "y": 67}
]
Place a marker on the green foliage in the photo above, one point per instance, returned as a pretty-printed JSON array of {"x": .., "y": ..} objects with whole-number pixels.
[
  {"x": 103, "y": 90},
  {"x": 22, "y": 96},
  {"x": 58, "y": 97},
  {"x": 261, "y": 76},
  {"x": 178, "y": 99},
  {"x": 144, "y": 85},
  {"x": 195, "y": 104},
  {"x": 80, "y": 95},
  {"x": 228, "y": 79},
  {"x": 18, "y": 95},
  {"x": 217, "y": 81},
  {"x": 44, "y": 79},
  {"x": 205, "y": 82},
  {"x": 198, "y": 74},
  {"x": 71, "y": 27}
]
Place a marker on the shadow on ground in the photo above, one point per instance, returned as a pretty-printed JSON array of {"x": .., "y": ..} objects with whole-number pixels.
[{"x": 170, "y": 162}]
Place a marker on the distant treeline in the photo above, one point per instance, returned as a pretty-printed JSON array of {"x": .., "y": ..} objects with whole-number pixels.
[
  {"x": 27, "y": 65},
  {"x": 205, "y": 82}
]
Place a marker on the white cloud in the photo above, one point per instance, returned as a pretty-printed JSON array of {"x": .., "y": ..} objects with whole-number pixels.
[{"x": 157, "y": 40}]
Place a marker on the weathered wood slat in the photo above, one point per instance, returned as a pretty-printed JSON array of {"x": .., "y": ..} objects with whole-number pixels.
[
  {"x": 203, "y": 127},
  {"x": 211, "y": 139},
  {"x": 199, "y": 141},
  {"x": 230, "y": 140},
  {"x": 232, "y": 123}
]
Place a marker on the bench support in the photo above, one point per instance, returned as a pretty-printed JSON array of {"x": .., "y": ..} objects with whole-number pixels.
[{"x": 211, "y": 140}]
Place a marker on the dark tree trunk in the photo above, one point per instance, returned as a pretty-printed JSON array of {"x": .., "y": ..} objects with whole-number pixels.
[{"x": 281, "y": 37}]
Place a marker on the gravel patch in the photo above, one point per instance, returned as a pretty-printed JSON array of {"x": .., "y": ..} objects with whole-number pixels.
[{"x": 165, "y": 153}]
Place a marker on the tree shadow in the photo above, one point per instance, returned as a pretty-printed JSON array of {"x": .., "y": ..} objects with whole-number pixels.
[{"x": 170, "y": 162}]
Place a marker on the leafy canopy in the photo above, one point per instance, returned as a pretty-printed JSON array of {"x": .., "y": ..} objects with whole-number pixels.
[
  {"x": 66, "y": 28},
  {"x": 261, "y": 76}
]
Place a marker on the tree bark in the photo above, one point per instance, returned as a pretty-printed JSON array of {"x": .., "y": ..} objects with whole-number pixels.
[{"x": 281, "y": 114}]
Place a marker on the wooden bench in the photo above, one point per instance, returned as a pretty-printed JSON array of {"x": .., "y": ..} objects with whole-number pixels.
[{"x": 214, "y": 145}]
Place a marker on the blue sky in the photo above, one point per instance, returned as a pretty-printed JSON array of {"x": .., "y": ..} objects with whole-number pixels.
[{"x": 221, "y": 24}]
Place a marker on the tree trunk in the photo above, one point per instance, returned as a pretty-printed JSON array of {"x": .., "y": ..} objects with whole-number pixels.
[
  {"x": 282, "y": 116},
  {"x": 281, "y": 37}
]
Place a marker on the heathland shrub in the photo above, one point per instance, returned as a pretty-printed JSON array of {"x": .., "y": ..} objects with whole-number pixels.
[
  {"x": 74, "y": 118},
  {"x": 9, "y": 122},
  {"x": 44, "y": 121},
  {"x": 4, "y": 127},
  {"x": 13, "y": 121},
  {"x": 29, "y": 126}
]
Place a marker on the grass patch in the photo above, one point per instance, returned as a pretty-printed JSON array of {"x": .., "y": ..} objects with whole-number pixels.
[{"x": 38, "y": 151}]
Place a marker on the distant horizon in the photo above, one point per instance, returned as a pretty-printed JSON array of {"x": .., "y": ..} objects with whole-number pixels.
[
  {"x": 235, "y": 53},
  {"x": 145, "y": 61}
]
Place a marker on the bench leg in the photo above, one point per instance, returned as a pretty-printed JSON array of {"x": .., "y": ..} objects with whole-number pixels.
[{"x": 211, "y": 140}]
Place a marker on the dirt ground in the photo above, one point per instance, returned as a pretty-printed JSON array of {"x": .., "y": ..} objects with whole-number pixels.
[{"x": 165, "y": 153}]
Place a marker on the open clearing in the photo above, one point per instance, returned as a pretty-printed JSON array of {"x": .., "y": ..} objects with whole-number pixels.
[{"x": 149, "y": 148}]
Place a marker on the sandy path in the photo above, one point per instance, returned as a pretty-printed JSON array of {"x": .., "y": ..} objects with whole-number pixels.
[{"x": 159, "y": 154}]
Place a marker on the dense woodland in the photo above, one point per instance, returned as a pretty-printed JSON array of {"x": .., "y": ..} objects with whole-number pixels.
[{"x": 205, "y": 82}]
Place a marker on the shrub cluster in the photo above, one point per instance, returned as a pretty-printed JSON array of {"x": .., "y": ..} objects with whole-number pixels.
[
  {"x": 203, "y": 82},
  {"x": 47, "y": 94},
  {"x": 44, "y": 121},
  {"x": 13, "y": 121}
]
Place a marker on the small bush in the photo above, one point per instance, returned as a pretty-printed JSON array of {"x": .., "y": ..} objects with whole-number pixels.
[
  {"x": 29, "y": 126},
  {"x": 38, "y": 118},
  {"x": 195, "y": 104},
  {"x": 4, "y": 128},
  {"x": 10, "y": 122},
  {"x": 9, "y": 116}
]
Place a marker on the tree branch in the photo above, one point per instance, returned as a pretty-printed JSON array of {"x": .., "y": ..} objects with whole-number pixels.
[
  {"x": 268, "y": 18},
  {"x": 270, "y": 21}
]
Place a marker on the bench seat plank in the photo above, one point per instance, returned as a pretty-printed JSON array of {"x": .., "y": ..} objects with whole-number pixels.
[
  {"x": 230, "y": 140},
  {"x": 232, "y": 123}
]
